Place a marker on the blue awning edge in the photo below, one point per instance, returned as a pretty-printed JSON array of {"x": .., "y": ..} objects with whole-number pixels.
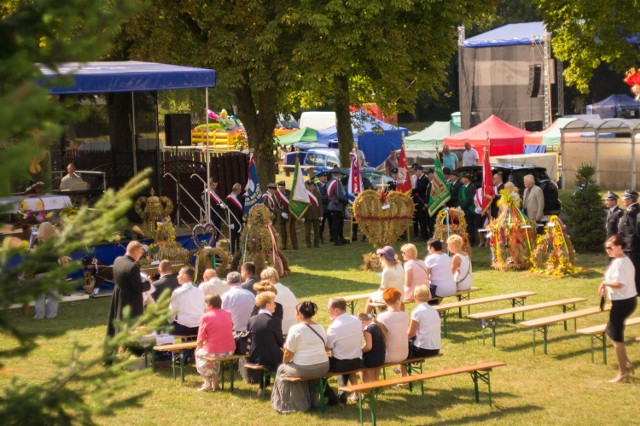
[
  {"x": 127, "y": 76},
  {"x": 509, "y": 35}
]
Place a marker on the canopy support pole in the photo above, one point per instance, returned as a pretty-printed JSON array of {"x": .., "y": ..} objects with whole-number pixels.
[
  {"x": 207, "y": 203},
  {"x": 133, "y": 134}
]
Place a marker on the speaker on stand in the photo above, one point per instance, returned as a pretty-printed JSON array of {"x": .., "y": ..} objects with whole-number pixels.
[
  {"x": 535, "y": 72},
  {"x": 177, "y": 129}
]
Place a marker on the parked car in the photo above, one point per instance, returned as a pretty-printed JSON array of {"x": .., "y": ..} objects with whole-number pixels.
[
  {"x": 322, "y": 159},
  {"x": 515, "y": 173},
  {"x": 300, "y": 150}
]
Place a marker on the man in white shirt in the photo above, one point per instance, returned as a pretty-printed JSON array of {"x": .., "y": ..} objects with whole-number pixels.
[
  {"x": 238, "y": 301},
  {"x": 344, "y": 339},
  {"x": 187, "y": 304},
  {"x": 359, "y": 155},
  {"x": 212, "y": 284},
  {"x": 71, "y": 179},
  {"x": 285, "y": 297},
  {"x": 470, "y": 156},
  {"x": 532, "y": 199}
]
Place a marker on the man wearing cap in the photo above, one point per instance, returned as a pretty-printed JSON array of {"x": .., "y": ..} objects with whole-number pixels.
[
  {"x": 394, "y": 184},
  {"x": 337, "y": 202},
  {"x": 313, "y": 215},
  {"x": 420, "y": 200},
  {"x": 236, "y": 207},
  {"x": 614, "y": 213},
  {"x": 470, "y": 156},
  {"x": 287, "y": 223},
  {"x": 629, "y": 229},
  {"x": 465, "y": 202},
  {"x": 391, "y": 162},
  {"x": 454, "y": 188},
  {"x": 269, "y": 200},
  {"x": 322, "y": 188},
  {"x": 449, "y": 159}
]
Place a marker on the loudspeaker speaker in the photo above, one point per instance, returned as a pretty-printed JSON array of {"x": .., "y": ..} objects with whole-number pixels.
[
  {"x": 531, "y": 126},
  {"x": 177, "y": 129},
  {"x": 535, "y": 71}
]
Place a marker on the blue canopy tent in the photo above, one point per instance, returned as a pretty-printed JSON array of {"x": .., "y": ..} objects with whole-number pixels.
[
  {"x": 616, "y": 106},
  {"x": 375, "y": 137},
  {"x": 128, "y": 77}
]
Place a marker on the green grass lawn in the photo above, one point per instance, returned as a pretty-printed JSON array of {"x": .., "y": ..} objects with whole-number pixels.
[{"x": 563, "y": 387}]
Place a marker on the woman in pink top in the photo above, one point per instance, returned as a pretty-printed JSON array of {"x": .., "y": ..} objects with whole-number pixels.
[
  {"x": 415, "y": 270},
  {"x": 215, "y": 341}
]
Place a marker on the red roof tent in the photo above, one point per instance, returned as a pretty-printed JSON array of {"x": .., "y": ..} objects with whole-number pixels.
[{"x": 505, "y": 139}]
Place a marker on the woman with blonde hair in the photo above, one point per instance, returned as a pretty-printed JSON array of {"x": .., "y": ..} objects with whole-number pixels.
[
  {"x": 392, "y": 276},
  {"x": 424, "y": 328},
  {"x": 415, "y": 270},
  {"x": 284, "y": 297},
  {"x": 460, "y": 263},
  {"x": 262, "y": 287}
]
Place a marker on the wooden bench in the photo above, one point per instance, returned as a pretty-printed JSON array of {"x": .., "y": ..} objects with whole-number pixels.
[
  {"x": 490, "y": 317},
  {"x": 461, "y": 295},
  {"x": 174, "y": 349},
  {"x": 597, "y": 334},
  {"x": 227, "y": 361},
  {"x": 542, "y": 324},
  {"x": 411, "y": 364},
  {"x": 517, "y": 299},
  {"x": 265, "y": 374},
  {"x": 479, "y": 372}
]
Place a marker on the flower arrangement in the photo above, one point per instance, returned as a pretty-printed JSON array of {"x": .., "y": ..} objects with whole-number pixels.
[
  {"x": 452, "y": 222},
  {"x": 512, "y": 235},
  {"x": 554, "y": 254},
  {"x": 26, "y": 216}
]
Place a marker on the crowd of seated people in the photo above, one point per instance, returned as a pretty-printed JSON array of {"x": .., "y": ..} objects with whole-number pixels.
[{"x": 286, "y": 340}]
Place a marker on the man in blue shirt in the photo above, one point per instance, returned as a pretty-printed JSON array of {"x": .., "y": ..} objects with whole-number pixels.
[{"x": 449, "y": 159}]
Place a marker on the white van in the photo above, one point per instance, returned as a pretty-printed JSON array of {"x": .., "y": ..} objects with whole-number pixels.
[{"x": 318, "y": 120}]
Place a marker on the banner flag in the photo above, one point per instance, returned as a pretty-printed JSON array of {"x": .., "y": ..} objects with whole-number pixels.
[
  {"x": 439, "y": 194},
  {"x": 299, "y": 200},
  {"x": 253, "y": 193}
]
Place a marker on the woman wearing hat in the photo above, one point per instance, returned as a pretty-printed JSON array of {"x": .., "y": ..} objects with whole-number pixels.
[
  {"x": 392, "y": 275},
  {"x": 618, "y": 285}
]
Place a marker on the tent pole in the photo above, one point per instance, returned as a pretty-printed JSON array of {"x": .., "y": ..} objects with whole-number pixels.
[
  {"x": 133, "y": 134},
  {"x": 158, "y": 172},
  {"x": 207, "y": 203},
  {"x": 597, "y": 164}
]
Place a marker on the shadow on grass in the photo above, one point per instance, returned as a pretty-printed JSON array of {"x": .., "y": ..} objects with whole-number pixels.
[
  {"x": 540, "y": 343},
  {"x": 401, "y": 406}
]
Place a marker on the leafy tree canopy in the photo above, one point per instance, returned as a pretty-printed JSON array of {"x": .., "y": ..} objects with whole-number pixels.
[{"x": 587, "y": 34}]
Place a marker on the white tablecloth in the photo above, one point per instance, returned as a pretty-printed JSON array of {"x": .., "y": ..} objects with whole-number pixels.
[{"x": 51, "y": 202}]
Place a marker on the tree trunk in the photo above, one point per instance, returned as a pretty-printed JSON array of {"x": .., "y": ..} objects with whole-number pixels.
[
  {"x": 259, "y": 124},
  {"x": 343, "y": 117}
]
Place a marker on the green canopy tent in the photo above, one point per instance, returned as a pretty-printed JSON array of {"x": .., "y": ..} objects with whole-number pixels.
[
  {"x": 549, "y": 136},
  {"x": 432, "y": 136},
  {"x": 306, "y": 134}
]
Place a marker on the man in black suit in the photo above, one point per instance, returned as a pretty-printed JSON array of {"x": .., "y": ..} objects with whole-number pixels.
[
  {"x": 337, "y": 202},
  {"x": 420, "y": 199},
  {"x": 394, "y": 184},
  {"x": 128, "y": 286},
  {"x": 326, "y": 217},
  {"x": 629, "y": 230},
  {"x": 235, "y": 205},
  {"x": 465, "y": 202},
  {"x": 215, "y": 202},
  {"x": 247, "y": 273},
  {"x": 167, "y": 280},
  {"x": 498, "y": 185},
  {"x": 614, "y": 213},
  {"x": 454, "y": 185}
]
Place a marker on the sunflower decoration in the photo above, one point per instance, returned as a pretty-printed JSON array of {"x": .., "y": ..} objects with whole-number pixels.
[
  {"x": 554, "y": 254},
  {"x": 512, "y": 235},
  {"x": 452, "y": 222},
  {"x": 259, "y": 242}
]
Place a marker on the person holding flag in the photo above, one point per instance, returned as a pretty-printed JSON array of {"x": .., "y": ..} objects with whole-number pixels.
[
  {"x": 439, "y": 194},
  {"x": 403, "y": 181},
  {"x": 355, "y": 185},
  {"x": 313, "y": 215},
  {"x": 337, "y": 203},
  {"x": 287, "y": 225},
  {"x": 484, "y": 197},
  {"x": 298, "y": 202},
  {"x": 253, "y": 193},
  {"x": 269, "y": 200}
]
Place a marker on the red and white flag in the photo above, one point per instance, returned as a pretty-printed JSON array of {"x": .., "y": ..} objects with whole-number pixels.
[
  {"x": 354, "y": 186},
  {"x": 488, "y": 191},
  {"x": 404, "y": 180}
]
